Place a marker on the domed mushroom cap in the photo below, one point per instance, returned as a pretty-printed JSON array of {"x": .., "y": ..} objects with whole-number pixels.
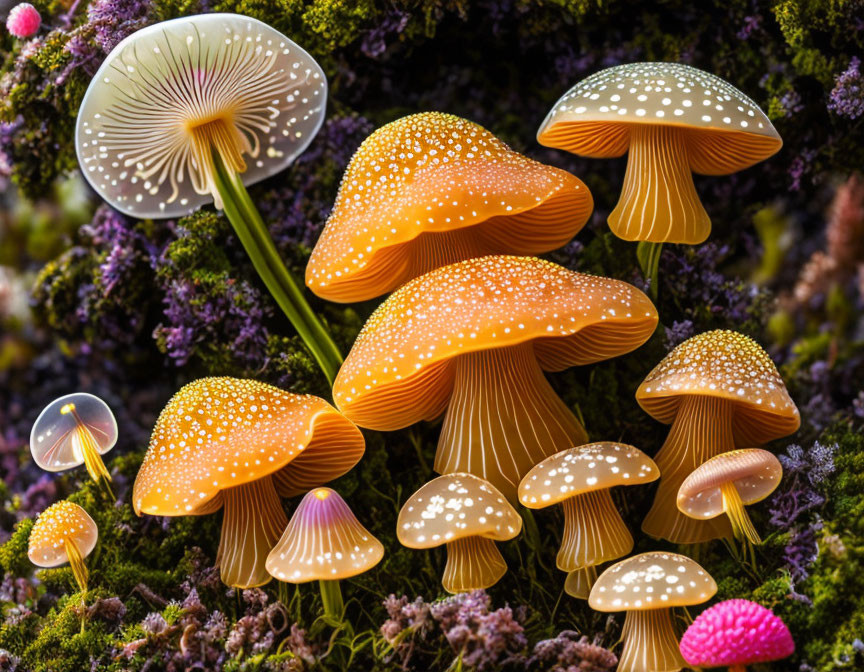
[
  {"x": 403, "y": 351},
  {"x": 726, "y": 365},
  {"x": 161, "y": 90},
  {"x": 55, "y": 441},
  {"x": 323, "y": 541},
  {"x": 594, "y": 466},
  {"x": 438, "y": 173},
  {"x": 654, "y": 580},
  {"x": 219, "y": 433},
  {"x": 754, "y": 472},
  {"x": 61, "y": 521},
  {"x": 730, "y": 132},
  {"x": 454, "y": 506}
]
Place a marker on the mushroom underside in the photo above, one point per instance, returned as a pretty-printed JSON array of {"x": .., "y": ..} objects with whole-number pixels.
[
  {"x": 594, "y": 532},
  {"x": 580, "y": 581},
  {"x": 473, "y": 563},
  {"x": 742, "y": 526},
  {"x": 650, "y": 643}
]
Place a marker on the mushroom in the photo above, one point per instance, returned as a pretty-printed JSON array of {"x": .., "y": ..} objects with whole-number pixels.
[
  {"x": 672, "y": 120},
  {"x": 720, "y": 391},
  {"x": 735, "y": 634},
  {"x": 190, "y": 110},
  {"x": 64, "y": 532},
  {"x": 726, "y": 484},
  {"x": 73, "y": 430},
  {"x": 647, "y": 586},
  {"x": 432, "y": 189},
  {"x": 473, "y": 339},
  {"x": 241, "y": 444},
  {"x": 580, "y": 480},
  {"x": 324, "y": 542},
  {"x": 467, "y": 514}
]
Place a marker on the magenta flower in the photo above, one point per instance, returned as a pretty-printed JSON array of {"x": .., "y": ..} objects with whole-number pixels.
[{"x": 23, "y": 21}]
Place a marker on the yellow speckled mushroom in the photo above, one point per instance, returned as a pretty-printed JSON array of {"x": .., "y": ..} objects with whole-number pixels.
[
  {"x": 241, "y": 444},
  {"x": 473, "y": 339},
  {"x": 64, "y": 532},
  {"x": 719, "y": 390},
  {"x": 432, "y": 189},
  {"x": 579, "y": 479},
  {"x": 469, "y": 515},
  {"x": 671, "y": 120},
  {"x": 647, "y": 587}
]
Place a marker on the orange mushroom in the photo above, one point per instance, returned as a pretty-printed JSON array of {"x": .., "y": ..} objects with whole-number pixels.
[
  {"x": 240, "y": 444},
  {"x": 471, "y": 340},
  {"x": 432, "y": 189},
  {"x": 64, "y": 532}
]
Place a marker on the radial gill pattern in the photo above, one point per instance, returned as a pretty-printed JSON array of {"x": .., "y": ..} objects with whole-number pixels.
[
  {"x": 58, "y": 523},
  {"x": 172, "y": 93}
]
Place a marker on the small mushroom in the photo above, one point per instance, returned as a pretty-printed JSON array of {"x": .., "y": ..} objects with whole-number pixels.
[
  {"x": 432, "y": 189},
  {"x": 729, "y": 482},
  {"x": 324, "y": 542},
  {"x": 64, "y": 532},
  {"x": 472, "y": 340},
  {"x": 720, "y": 391},
  {"x": 671, "y": 120},
  {"x": 468, "y": 515},
  {"x": 580, "y": 480},
  {"x": 242, "y": 444},
  {"x": 647, "y": 587}
]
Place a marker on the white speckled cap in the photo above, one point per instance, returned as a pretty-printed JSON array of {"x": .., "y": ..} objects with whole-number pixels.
[{"x": 60, "y": 521}]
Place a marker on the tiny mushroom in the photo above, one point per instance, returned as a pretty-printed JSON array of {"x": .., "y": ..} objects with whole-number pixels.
[
  {"x": 64, "y": 532},
  {"x": 242, "y": 444},
  {"x": 324, "y": 542},
  {"x": 647, "y": 587},
  {"x": 721, "y": 391},
  {"x": 473, "y": 339},
  {"x": 671, "y": 120},
  {"x": 469, "y": 515},
  {"x": 580, "y": 480},
  {"x": 735, "y": 634},
  {"x": 432, "y": 189},
  {"x": 727, "y": 483}
]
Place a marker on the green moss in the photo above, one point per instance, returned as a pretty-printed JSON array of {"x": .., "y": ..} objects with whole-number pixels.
[{"x": 13, "y": 554}]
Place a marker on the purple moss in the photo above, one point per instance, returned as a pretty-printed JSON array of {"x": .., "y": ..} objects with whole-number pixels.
[{"x": 847, "y": 96}]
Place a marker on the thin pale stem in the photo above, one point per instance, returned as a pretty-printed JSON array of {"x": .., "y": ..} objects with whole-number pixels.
[
  {"x": 742, "y": 526},
  {"x": 331, "y": 598},
  {"x": 648, "y": 255},
  {"x": 472, "y": 563},
  {"x": 593, "y": 531}
]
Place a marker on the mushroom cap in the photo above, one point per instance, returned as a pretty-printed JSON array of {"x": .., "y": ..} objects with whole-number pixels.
[
  {"x": 323, "y": 541},
  {"x": 454, "y": 506},
  {"x": 726, "y": 365},
  {"x": 399, "y": 370},
  {"x": 728, "y": 130},
  {"x": 132, "y": 134},
  {"x": 219, "y": 433},
  {"x": 736, "y": 632},
  {"x": 54, "y": 440},
  {"x": 594, "y": 466},
  {"x": 653, "y": 580},
  {"x": 437, "y": 173},
  {"x": 754, "y": 472},
  {"x": 60, "y": 521}
]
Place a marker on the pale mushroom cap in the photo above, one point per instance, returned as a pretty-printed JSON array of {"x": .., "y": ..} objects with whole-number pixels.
[
  {"x": 594, "y": 466},
  {"x": 60, "y": 521},
  {"x": 454, "y": 506},
  {"x": 132, "y": 131},
  {"x": 400, "y": 357},
  {"x": 323, "y": 541},
  {"x": 653, "y": 580},
  {"x": 754, "y": 472},
  {"x": 219, "y": 433},
  {"x": 56, "y": 437}
]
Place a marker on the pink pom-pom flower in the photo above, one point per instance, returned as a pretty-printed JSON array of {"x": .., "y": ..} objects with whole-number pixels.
[
  {"x": 23, "y": 20},
  {"x": 734, "y": 634}
]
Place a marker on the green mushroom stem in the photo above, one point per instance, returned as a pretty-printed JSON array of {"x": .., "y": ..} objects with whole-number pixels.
[
  {"x": 648, "y": 255},
  {"x": 331, "y": 598}
]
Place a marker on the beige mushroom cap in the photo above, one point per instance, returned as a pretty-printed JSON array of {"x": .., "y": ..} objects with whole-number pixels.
[
  {"x": 653, "y": 580},
  {"x": 594, "y": 466},
  {"x": 455, "y": 506},
  {"x": 60, "y": 521}
]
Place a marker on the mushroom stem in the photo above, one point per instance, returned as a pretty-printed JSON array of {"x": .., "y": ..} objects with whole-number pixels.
[
  {"x": 593, "y": 531},
  {"x": 701, "y": 430},
  {"x": 331, "y": 598},
  {"x": 503, "y": 418},
  {"x": 472, "y": 563},
  {"x": 76, "y": 562},
  {"x": 256, "y": 240},
  {"x": 658, "y": 201},
  {"x": 252, "y": 524},
  {"x": 742, "y": 526},
  {"x": 580, "y": 581},
  {"x": 85, "y": 443},
  {"x": 650, "y": 643}
]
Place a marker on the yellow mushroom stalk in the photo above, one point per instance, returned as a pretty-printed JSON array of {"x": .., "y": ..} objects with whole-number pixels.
[{"x": 64, "y": 532}]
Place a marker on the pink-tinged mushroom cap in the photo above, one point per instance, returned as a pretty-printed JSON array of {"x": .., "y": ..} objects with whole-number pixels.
[
  {"x": 736, "y": 632},
  {"x": 23, "y": 21}
]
